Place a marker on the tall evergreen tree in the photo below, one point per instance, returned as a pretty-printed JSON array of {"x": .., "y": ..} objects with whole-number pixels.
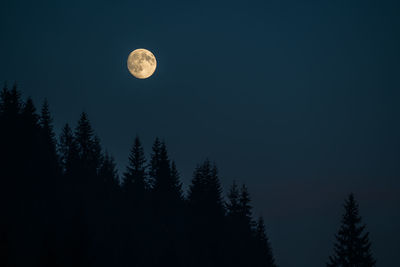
[
  {"x": 240, "y": 227},
  {"x": 108, "y": 173},
  {"x": 245, "y": 209},
  {"x": 265, "y": 257},
  {"x": 206, "y": 217},
  {"x": 88, "y": 146},
  {"x": 166, "y": 188},
  {"x": 352, "y": 247},
  {"x": 68, "y": 150},
  {"x": 49, "y": 141},
  {"x": 46, "y": 123},
  {"x": 167, "y": 201},
  {"x": 134, "y": 181},
  {"x": 175, "y": 178},
  {"x": 30, "y": 117},
  {"x": 205, "y": 190},
  {"x": 154, "y": 162},
  {"x": 11, "y": 103},
  {"x": 232, "y": 205}
]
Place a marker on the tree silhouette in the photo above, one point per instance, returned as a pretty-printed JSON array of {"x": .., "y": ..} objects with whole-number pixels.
[
  {"x": 233, "y": 202},
  {"x": 46, "y": 123},
  {"x": 206, "y": 216},
  {"x": 352, "y": 247},
  {"x": 165, "y": 187},
  {"x": 263, "y": 246},
  {"x": 134, "y": 182},
  {"x": 88, "y": 146},
  {"x": 63, "y": 205},
  {"x": 68, "y": 150}
]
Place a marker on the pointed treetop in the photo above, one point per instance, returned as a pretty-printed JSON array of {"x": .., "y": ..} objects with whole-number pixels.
[
  {"x": 135, "y": 175},
  {"x": 233, "y": 200},
  {"x": 263, "y": 244},
  {"x": 108, "y": 171},
  {"x": 352, "y": 247},
  {"x": 29, "y": 112},
  {"x": 46, "y": 122}
]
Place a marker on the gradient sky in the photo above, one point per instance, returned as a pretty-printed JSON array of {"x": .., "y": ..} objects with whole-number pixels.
[{"x": 298, "y": 99}]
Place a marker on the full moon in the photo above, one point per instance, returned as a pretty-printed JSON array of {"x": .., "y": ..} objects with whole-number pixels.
[{"x": 141, "y": 63}]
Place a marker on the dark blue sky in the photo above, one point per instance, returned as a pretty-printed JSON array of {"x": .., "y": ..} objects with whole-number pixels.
[{"x": 298, "y": 99}]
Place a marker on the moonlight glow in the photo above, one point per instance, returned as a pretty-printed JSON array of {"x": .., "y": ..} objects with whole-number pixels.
[{"x": 141, "y": 63}]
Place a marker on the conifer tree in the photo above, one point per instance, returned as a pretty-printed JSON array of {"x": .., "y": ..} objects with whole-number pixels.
[
  {"x": 175, "y": 178},
  {"x": 265, "y": 257},
  {"x": 352, "y": 246},
  {"x": 134, "y": 181},
  {"x": 205, "y": 190},
  {"x": 30, "y": 117},
  {"x": 154, "y": 161},
  {"x": 206, "y": 216},
  {"x": 245, "y": 209},
  {"x": 166, "y": 188},
  {"x": 12, "y": 103},
  {"x": 68, "y": 150},
  {"x": 108, "y": 172},
  {"x": 46, "y": 122},
  {"x": 88, "y": 146},
  {"x": 232, "y": 205}
]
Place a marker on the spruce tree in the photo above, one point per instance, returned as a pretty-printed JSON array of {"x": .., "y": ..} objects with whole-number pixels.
[
  {"x": 154, "y": 162},
  {"x": 30, "y": 117},
  {"x": 175, "y": 179},
  {"x": 46, "y": 123},
  {"x": 205, "y": 190},
  {"x": 134, "y": 180},
  {"x": 264, "y": 257},
  {"x": 88, "y": 146},
  {"x": 68, "y": 151},
  {"x": 232, "y": 206},
  {"x": 245, "y": 209},
  {"x": 352, "y": 246},
  {"x": 49, "y": 142},
  {"x": 108, "y": 173},
  {"x": 206, "y": 217},
  {"x": 11, "y": 102},
  {"x": 166, "y": 188}
]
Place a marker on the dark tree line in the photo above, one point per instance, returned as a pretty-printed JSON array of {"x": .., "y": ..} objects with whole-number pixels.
[{"x": 63, "y": 204}]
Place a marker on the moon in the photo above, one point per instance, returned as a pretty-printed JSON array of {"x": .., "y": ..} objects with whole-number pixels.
[{"x": 141, "y": 63}]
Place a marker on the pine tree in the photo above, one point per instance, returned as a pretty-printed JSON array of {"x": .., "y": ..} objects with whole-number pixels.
[
  {"x": 29, "y": 116},
  {"x": 205, "y": 190},
  {"x": 108, "y": 173},
  {"x": 46, "y": 124},
  {"x": 134, "y": 181},
  {"x": 175, "y": 178},
  {"x": 352, "y": 247},
  {"x": 68, "y": 150},
  {"x": 88, "y": 146},
  {"x": 11, "y": 103},
  {"x": 232, "y": 205},
  {"x": 264, "y": 255},
  {"x": 206, "y": 217},
  {"x": 245, "y": 209},
  {"x": 154, "y": 162},
  {"x": 166, "y": 189}
]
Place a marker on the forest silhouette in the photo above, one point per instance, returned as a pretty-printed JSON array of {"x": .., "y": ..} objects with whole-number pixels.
[{"x": 63, "y": 204}]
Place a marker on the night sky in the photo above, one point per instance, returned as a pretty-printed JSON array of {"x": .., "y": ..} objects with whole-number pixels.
[{"x": 298, "y": 99}]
